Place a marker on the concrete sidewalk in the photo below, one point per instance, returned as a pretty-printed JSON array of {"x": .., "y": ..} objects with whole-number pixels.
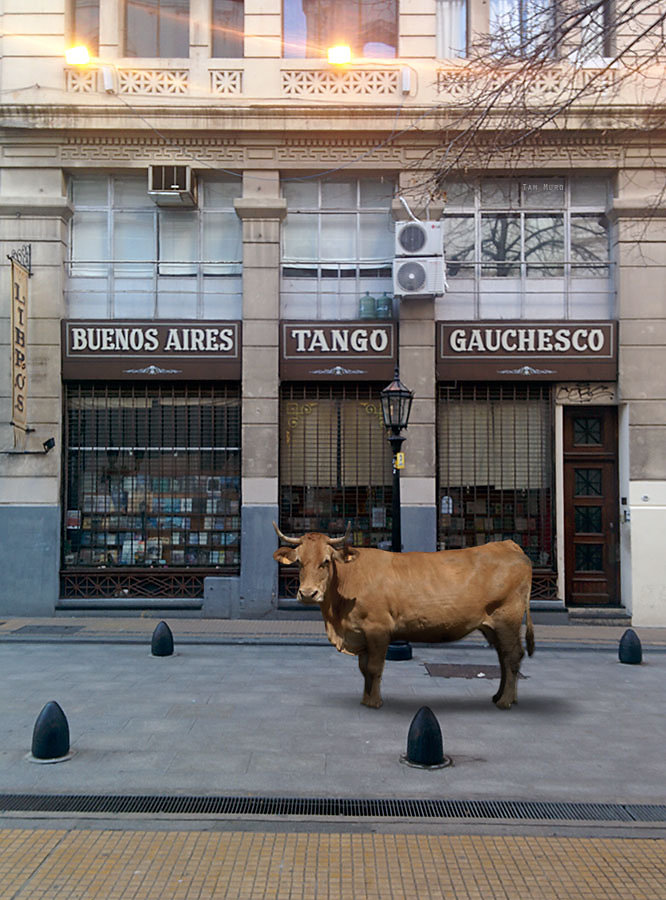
[{"x": 283, "y": 627}]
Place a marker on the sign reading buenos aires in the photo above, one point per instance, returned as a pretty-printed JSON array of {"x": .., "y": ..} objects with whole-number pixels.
[
  {"x": 325, "y": 351},
  {"x": 516, "y": 350},
  {"x": 130, "y": 350}
]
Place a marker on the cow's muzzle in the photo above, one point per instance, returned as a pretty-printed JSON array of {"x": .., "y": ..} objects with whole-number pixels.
[{"x": 309, "y": 597}]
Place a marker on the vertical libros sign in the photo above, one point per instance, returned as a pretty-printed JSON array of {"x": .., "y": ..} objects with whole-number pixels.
[{"x": 19, "y": 351}]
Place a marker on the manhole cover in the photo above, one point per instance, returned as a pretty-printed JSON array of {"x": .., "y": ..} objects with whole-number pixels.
[
  {"x": 457, "y": 670},
  {"x": 48, "y": 629}
]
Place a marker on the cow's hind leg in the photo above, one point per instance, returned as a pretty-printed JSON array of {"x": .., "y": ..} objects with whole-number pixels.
[
  {"x": 510, "y": 653},
  {"x": 371, "y": 663},
  {"x": 490, "y": 635}
]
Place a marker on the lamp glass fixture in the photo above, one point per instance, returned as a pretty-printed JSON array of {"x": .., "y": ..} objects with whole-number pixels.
[
  {"x": 396, "y": 404},
  {"x": 339, "y": 55},
  {"x": 77, "y": 56}
]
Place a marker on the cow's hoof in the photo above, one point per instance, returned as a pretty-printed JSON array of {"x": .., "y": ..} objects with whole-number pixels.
[
  {"x": 502, "y": 703},
  {"x": 372, "y": 704}
]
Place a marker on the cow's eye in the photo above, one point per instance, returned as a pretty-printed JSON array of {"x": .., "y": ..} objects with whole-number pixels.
[{"x": 324, "y": 565}]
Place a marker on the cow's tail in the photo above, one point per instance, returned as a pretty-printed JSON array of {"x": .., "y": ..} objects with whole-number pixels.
[{"x": 529, "y": 626}]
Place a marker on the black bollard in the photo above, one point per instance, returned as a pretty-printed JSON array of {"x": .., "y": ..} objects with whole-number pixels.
[
  {"x": 399, "y": 650},
  {"x": 50, "y": 736},
  {"x": 162, "y": 642},
  {"x": 424, "y": 742},
  {"x": 630, "y": 650}
]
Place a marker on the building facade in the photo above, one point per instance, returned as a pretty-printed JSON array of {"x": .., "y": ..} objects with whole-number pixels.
[{"x": 218, "y": 246}]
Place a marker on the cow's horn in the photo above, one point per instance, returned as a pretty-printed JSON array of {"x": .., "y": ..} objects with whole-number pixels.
[
  {"x": 341, "y": 541},
  {"x": 292, "y": 541}
]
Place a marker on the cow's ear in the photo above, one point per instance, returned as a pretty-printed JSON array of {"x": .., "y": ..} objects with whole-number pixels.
[
  {"x": 345, "y": 554},
  {"x": 285, "y": 555}
]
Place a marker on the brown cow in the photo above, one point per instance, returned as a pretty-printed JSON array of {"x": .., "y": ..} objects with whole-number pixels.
[{"x": 369, "y": 598}]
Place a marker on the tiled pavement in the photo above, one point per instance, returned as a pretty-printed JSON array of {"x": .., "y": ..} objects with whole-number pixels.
[{"x": 183, "y": 865}]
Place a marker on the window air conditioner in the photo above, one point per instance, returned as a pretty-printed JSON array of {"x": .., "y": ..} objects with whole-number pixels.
[
  {"x": 418, "y": 238},
  {"x": 172, "y": 186},
  {"x": 418, "y": 277}
]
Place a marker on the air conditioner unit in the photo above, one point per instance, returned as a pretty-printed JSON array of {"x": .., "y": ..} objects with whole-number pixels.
[
  {"x": 418, "y": 238},
  {"x": 418, "y": 276},
  {"x": 172, "y": 186}
]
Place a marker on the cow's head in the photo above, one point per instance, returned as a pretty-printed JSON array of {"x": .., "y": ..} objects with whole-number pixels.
[{"x": 315, "y": 554}]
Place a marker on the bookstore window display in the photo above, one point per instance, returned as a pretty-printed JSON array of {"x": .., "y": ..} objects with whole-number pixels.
[
  {"x": 495, "y": 449},
  {"x": 335, "y": 466},
  {"x": 152, "y": 478}
]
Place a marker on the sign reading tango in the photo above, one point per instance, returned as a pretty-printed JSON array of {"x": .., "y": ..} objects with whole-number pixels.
[
  {"x": 326, "y": 351},
  {"x": 153, "y": 350},
  {"x": 545, "y": 351}
]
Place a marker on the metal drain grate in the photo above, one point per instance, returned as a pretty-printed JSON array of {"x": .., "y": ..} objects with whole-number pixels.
[
  {"x": 48, "y": 629},
  {"x": 332, "y": 807}
]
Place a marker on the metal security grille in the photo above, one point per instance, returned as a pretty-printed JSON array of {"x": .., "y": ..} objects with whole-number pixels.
[
  {"x": 495, "y": 470},
  {"x": 152, "y": 488},
  {"x": 335, "y": 465},
  {"x": 352, "y": 807}
]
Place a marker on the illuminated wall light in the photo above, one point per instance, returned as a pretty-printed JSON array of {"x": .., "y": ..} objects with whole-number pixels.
[
  {"x": 77, "y": 56},
  {"x": 339, "y": 55}
]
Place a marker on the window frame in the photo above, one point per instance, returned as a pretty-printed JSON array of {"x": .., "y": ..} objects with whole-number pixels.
[
  {"x": 344, "y": 279},
  {"x": 570, "y": 211},
  {"x": 110, "y": 270}
]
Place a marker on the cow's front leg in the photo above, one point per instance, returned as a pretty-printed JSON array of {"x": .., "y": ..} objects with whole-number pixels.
[{"x": 371, "y": 663}]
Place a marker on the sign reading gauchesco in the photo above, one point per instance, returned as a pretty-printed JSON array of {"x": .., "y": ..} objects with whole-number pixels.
[
  {"x": 516, "y": 350},
  {"x": 325, "y": 351},
  {"x": 112, "y": 349}
]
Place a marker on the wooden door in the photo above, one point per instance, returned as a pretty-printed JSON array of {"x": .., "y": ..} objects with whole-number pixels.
[{"x": 591, "y": 511}]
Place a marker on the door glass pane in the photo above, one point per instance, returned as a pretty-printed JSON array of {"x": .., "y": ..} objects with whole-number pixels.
[
  {"x": 587, "y": 482},
  {"x": 587, "y": 519},
  {"x": 589, "y": 557},
  {"x": 587, "y": 431}
]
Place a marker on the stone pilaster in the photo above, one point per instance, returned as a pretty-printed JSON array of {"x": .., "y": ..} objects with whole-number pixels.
[
  {"x": 639, "y": 219},
  {"x": 261, "y": 210},
  {"x": 34, "y": 211}
]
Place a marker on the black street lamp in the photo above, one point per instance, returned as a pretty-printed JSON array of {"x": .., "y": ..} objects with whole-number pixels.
[{"x": 396, "y": 406}]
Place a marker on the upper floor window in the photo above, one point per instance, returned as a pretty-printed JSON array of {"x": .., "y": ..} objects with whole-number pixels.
[
  {"x": 157, "y": 28},
  {"x": 369, "y": 27},
  {"x": 528, "y": 247},
  {"x": 228, "y": 29},
  {"x": 451, "y": 28},
  {"x": 85, "y": 24},
  {"x": 337, "y": 246},
  {"x": 131, "y": 259},
  {"x": 522, "y": 27}
]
